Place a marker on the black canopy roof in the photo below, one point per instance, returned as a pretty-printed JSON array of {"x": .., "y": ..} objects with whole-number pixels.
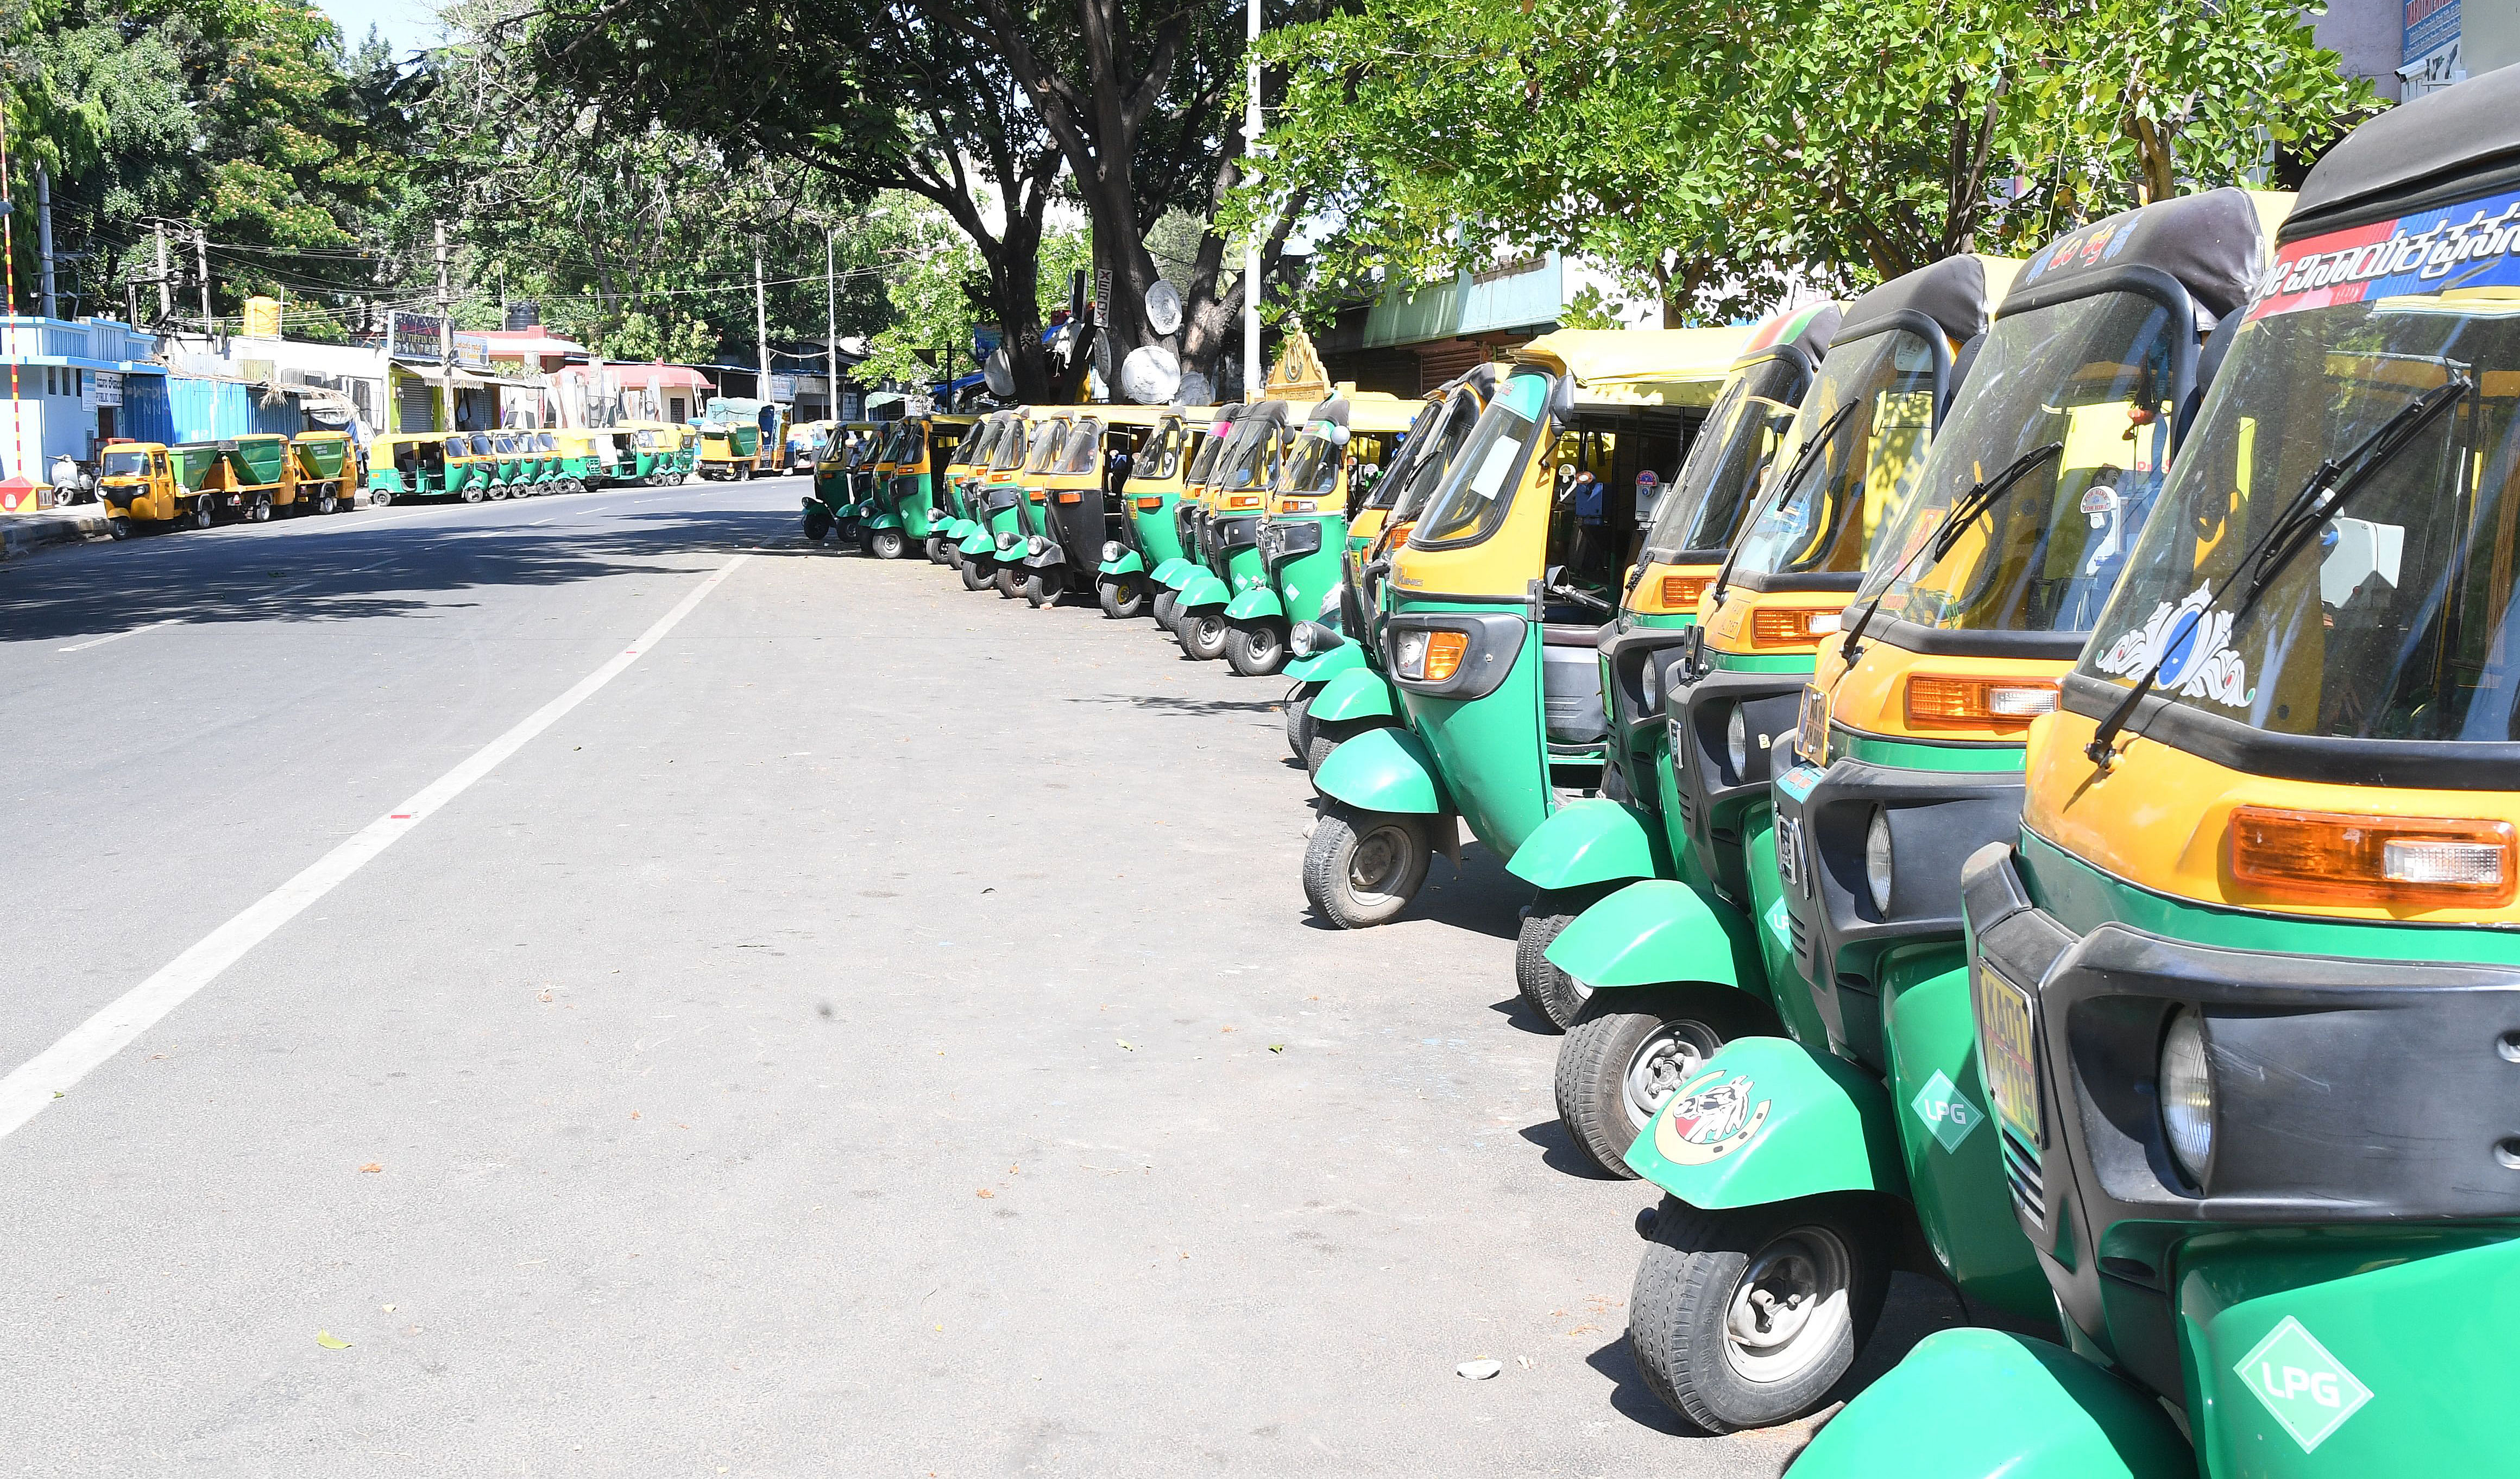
[
  {"x": 2212, "y": 244},
  {"x": 1952, "y": 292},
  {"x": 2435, "y": 144}
]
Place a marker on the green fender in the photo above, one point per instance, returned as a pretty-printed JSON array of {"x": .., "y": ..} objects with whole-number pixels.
[
  {"x": 1360, "y": 693},
  {"x": 958, "y": 529},
  {"x": 1588, "y": 842},
  {"x": 1384, "y": 770},
  {"x": 1203, "y": 589},
  {"x": 1255, "y": 603},
  {"x": 885, "y": 521},
  {"x": 1976, "y": 1403},
  {"x": 1656, "y": 930},
  {"x": 979, "y": 541},
  {"x": 1788, "y": 1122},
  {"x": 1129, "y": 564},
  {"x": 1321, "y": 668},
  {"x": 1172, "y": 572}
]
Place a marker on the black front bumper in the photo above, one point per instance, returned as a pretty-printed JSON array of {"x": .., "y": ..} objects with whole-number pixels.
[{"x": 1714, "y": 796}]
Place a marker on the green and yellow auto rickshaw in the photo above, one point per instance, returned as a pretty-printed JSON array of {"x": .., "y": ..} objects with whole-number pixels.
[
  {"x": 994, "y": 496},
  {"x": 1904, "y": 761},
  {"x": 406, "y": 466},
  {"x": 552, "y": 467},
  {"x": 971, "y": 462},
  {"x": 1224, "y": 524},
  {"x": 1150, "y": 535},
  {"x": 1073, "y": 505},
  {"x": 914, "y": 496},
  {"x": 587, "y": 456},
  {"x": 1341, "y": 685},
  {"x": 1633, "y": 828},
  {"x": 1494, "y": 605},
  {"x": 1670, "y": 966},
  {"x": 1337, "y": 456},
  {"x": 2245, "y": 989},
  {"x": 1189, "y": 513},
  {"x": 833, "y": 500},
  {"x": 1015, "y": 525}
]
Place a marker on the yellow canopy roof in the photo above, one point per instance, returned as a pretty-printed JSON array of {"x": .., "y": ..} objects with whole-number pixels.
[{"x": 1642, "y": 367}]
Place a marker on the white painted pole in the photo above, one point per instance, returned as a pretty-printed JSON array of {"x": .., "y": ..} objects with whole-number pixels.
[{"x": 1251, "y": 244}]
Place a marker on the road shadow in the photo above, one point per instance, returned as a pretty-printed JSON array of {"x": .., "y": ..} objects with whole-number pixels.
[
  {"x": 1522, "y": 1017},
  {"x": 1164, "y": 703},
  {"x": 312, "y": 570},
  {"x": 1633, "y": 1400},
  {"x": 1559, "y": 1153}
]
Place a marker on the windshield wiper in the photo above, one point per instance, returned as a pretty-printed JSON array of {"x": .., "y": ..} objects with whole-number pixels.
[
  {"x": 1966, "y": 509},
  {"x": 2322, "y": 497},
  {"x": 1779, "y": 493}
]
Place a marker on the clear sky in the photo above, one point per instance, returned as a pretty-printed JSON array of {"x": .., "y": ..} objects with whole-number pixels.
[{"x": 409, "y": 25}]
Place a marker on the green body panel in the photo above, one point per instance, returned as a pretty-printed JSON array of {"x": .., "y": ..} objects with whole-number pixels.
[
  {"x": 1973, "y": 1404},
  {"x": 1590, "y": 842},
  {"x": 1655, "y": 931},
  {"x": 1203, "y": 590},
  {"x": 978, "y": 544},
  {"x": 1302, "y": 583},
  {"x": 1129, "y": 564},
  {"x": 1751, "y": 663},
  {"x": 1171, "y": 572},
  {"x": 1006, "y": 521},
  {"x": 258, "y": 461},
  {"x": 1685, "y": 862},
  {"x": 1384, "y": 770},
  {"x": 1244, "y": 570},
  {"x": 1156, "y": 532},
  {"x": 1785, "y": 982},
  {"x": 323, "y": 459},
  {"x": 911, "y": 501},
  {"x": 386, "y": 479},
  {"x": 1321, "y": 668},
  {"x": 1874, "y": 749},
  {"x": 1360, "y": 693},
  {"x": 1493, "y": 759},
  {"x": 1808, "y": 1124},
  {"x": 1258, "y": 604},
  {"x": 2422, "y": 1318}
]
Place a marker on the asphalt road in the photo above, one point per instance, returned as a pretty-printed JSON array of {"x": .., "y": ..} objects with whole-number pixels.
[{"x": 877, "y": 1031}]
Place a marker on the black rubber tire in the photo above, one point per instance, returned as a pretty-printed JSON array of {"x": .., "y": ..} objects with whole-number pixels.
[
  {"x": 1329, "y": 735},
  {"x": 1256, "y": 649},
  {"x": 1123, "y": 598},
  {"x": 1606, "y": 1041},
  {"x": 380, "y": 498},
  {"x": 1202, "y": 633},
  {"x": 473, "y": 493},
  {"x": 935, "y": 547},
  {"x": 818, "y": 525},
  {"x": 887, "y": 544},
  {"x": 1695, "y": 1264},
  {"x": 1040, "y": 588},
  {"x": 325, "y": 502},
  {"x": 1009, "y": 584},
  {"x": 1167, "y": 607},
  {"x": 975, "y": 575},
  {"x": 204, "y": 513},
  {"x": 1299, "y": 718},
  {"x": 1553, "y": 993},
  {"x": 1329, "y": 864},
  {"x": 117, "y": 527}
]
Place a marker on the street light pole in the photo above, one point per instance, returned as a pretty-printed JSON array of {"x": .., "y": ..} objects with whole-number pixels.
[
  {"x": 1252, "y": 242},
  {"x": 831, "y": 332}
]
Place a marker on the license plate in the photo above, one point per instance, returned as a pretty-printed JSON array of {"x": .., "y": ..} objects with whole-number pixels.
[
  {"x": 1789, "y": 851},
  {"x": 2008, "y": 1050},
  {"x": 1812, "y": 736}
]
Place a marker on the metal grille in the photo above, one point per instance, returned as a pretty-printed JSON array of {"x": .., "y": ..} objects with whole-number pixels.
[
  {"x": 2022, "y": 1176},
  {"x": 1810, "y": 728}
]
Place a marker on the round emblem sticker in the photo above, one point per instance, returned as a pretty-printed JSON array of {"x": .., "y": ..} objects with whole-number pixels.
[{"x": 1709, "y": 1117}]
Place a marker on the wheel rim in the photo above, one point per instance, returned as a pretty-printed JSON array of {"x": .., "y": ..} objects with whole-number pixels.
[
  {"x": 1379, "y": 862},
  {"x": 1661, "y": 1063},
  {"x": 1790, "y": 1306}
]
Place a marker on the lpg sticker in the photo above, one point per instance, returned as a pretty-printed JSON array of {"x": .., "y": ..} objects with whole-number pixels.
[
  {"x": 1709, "y": 1117},
  {"x": 1777, "y": 923},
  {"x": 1947, "y": 1112},
  {"x": 2307, "y": 1390}
]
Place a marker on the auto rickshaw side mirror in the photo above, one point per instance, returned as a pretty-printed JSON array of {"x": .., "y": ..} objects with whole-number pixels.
[{"x": 1561, "y": 399}]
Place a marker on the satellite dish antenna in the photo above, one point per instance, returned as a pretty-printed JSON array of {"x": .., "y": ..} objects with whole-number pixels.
[
  {"x": 1196, "y": 389},
  {"x": 1151, "y": 375},
  {"x": 1164, "y": 308},
  {"x": 998, "y": 373}
]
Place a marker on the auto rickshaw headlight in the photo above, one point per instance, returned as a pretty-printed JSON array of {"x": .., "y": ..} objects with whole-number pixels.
[
  {"x": 1111, "y": 549},
  {"x": 1737, "y": 742},
  {"x": 1876, "y": 860},
  {"x": 2187, "y": 1093},
  {"x": 1409, "y": 654},
  {"x": 1036, "y": 545},
  {"x": 1651, "y": 683}
]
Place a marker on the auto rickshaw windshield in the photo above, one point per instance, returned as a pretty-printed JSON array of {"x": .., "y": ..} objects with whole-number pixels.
[
  {"x": 1432, "y": 458},
  {"x": 482, "y": 445},
  {"x": 2091, "y": 373},
  {"x": 1010, "y": 453},
  {"x": 1478, "y": 486},
  {"x": 1244, "y": 464},
  {"x": 1845, "y": 489},
  {"x": 1084, "y": 441},
  {"x": 1161, "y": 452},
  {"x": 125, "y": 465},
  {"x": 973, "y": 449},
  {"x": 1729, "y": 463},
  {"x": 1312, "y": 469},
  {"x": 1046, "y": 439},
  {"x": 2397, "y": 618},
  {"x": 1405, "y": 460}
]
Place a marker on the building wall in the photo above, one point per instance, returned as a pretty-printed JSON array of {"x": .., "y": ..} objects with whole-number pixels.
[{"x": 2364, "y": 34}]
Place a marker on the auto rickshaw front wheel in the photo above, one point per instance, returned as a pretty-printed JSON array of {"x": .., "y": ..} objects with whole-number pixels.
[
  {"x": 1201, "y": 634},
  {"x": 204, "y": 513},
  {"x": 1362, "y": 867},
  {"x": 1299, "y": 719},
  {"x": 1551, "y": 992},
  {"x": 475, "y": 493},
  {"x": 1627, "y": 1050},
  {"x": 1041, "y": 588},
  {"x": 1123, "y": 598},
  {"x": 117, "y": 527},
  {"x": 887, "y": 544},
  {"x": 1750, "y": 1316},
  {"x": 818, "y": 525},
  {"x": 1167, "y": 607},
  {"x": 935, "y": 548},
  {"x": 380, "y": 498},
  {"x": 1009, "y": 584},
  {"x": 974, "y": 576},
  {"x": 1256, "y": 649}
]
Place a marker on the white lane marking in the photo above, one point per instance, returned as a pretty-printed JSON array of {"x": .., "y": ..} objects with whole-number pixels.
[
  {"x": 81, "y": 647},
  {"x": 34, "y": 1083}
]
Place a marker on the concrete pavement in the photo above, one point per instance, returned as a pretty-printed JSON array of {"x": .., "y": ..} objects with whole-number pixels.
[{"x": 878, "y": 1032}]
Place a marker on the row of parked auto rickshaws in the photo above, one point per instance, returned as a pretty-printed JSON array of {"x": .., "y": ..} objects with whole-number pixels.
[{"x": 2032, "y": 804}]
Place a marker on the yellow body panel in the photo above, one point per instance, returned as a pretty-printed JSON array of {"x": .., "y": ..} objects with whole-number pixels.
[
  {"x": 2160, "y": 819},
  {"x": 1646, "y": 598},
  {"x": 1501, "y": 564},
  {"x": 1871, "y": 699},
  {"x": 1728, "y": 627}
]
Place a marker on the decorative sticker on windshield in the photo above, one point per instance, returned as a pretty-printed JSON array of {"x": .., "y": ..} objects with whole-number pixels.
[
  {"x": 2201, "y": 661},
  {"x": 2474, "y": 245}
]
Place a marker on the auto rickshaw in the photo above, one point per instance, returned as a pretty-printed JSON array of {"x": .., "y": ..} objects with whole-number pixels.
[
  {"x": 1015, "y": 522},
  {"x": 552, "y": 466},
  {"x": 414, "y": 464},
  {"x": 151, "y": 482},
  {"x": 833, "y": 501},
  {"x": 1341, "y": 685},
  {"x": 1689, "y": 936},
  {"x": 1633, "y": 830},
  {"x": 2243, "y": 982},
  {"x": 1074, "y": 505},
  {"x": 1495, "y": 605},
  {"x": 963, "y": 475},
  {"x": 741, "y": 438},
  {"x": 1148, "y": 535},
  {"x": 1903, "y": 764},
  {"x": 805, "y": 443},
  {"x": 913, "y": 497},
  {"x": 587, "y": 456},
  {"x": 1225, "y": 526},
  {"x": 992, "y": 501},
  {"x": 1335, "y": 462},
  {"x": 1189, "y": 513}
]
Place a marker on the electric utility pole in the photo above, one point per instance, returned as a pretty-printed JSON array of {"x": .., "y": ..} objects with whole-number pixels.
[
  {"x": 165, "y": 290},
  {"x": 445, "y": 339},
  {"x": 202, "y": 263},
  {"x": 1251, "y": 241},
  {"x": 830, "y": 331},
  {"x": 44, "y": 239},
  {"x": 761, "y": 328}
]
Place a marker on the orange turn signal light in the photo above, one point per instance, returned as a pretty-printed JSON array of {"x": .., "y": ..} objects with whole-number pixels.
[
  {"x": 1787, "y": 626},
  {"x": 1937, "y": 699},
  {"x": 1244, "y": 501},
  {"x": 2399, "y": 860},
  {"x": 1444, "y": 654},
  {"x": 1683, "y": 593},
  {"x": 1147, "y": 504},
  {"x": 1069, "y": 498}
]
